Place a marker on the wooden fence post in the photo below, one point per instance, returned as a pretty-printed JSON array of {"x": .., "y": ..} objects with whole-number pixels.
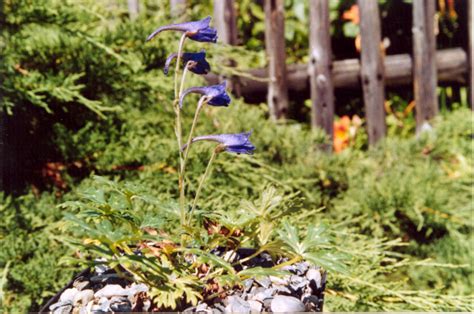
[
  {"x": 177, "y": 7},
  {"x": 133, "y": 9},
  {"x": 225, "y": 21},
  {"x": 372, "y": 69},
  {"x": 275, "y": 46},
  {"x": 424, "y": 63},
  {"x": 470, "y": 14},
  {"x": 320, "y": 67}
]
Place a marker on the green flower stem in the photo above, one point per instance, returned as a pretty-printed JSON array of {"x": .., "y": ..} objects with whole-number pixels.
[
  {"x": 201, "y": 103},
  {"x": 217, "y": 150},
  {"x": 183, "y": 77},
  {"x": 178, "y": 60},
  {"x": 178, "y": 128}
]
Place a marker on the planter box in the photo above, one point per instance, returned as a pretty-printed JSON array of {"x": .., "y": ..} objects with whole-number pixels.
[{"x": 103, "y": 290}]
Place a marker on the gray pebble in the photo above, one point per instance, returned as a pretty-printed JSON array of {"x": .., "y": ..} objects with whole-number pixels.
[
  {"x": 80, "y": 283},
  {"x": 111, "y": 291},
  {"x": 65, "y": 309},
  {"x": 302, "y": 268},
  {"x": 282, "y": 289},
  {"x": 265, "y": 294},
  {"x": 279, "y": 280},
  {"x": 237, "y": 305},
  {"x": 120, "y": 305},
  {"x": 255, "y": 306},
  {"x": 137, "y": 288},
  {"x": 248, "y": 283},
  {"x": 68, "y": 295},
  {"x": 83, "y": 297},
  {"x": 283, "y": 303},
  {"x": 59, "y": 304},
  {"x": 315, "y": 275},
  {"x": 264, "y": 282}
]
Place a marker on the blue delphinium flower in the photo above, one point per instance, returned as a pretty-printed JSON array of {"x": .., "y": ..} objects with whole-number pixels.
[
  {"x": 195, "y": 30},
  {"x": 217, "y": 95},
  {"x": 238, "y": 143},
  {"x": 198, "y": 66}
]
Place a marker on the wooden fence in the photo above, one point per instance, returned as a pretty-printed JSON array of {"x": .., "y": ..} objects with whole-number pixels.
[{"x": 424, "y": 68}]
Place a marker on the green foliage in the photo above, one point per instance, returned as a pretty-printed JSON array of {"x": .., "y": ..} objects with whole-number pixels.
[
  {"x": 401, "y": 210},
  {"x": 109, "y": 225}
]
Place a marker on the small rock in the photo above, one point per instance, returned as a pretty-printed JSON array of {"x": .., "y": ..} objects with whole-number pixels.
[
  {"x": 264, "y": 294},
  {"x": 203, "y": 308},
  {"x": 83, "y": 297},
  {"x": 290, "y": 268},
  {"x": 68, "y": 295},
  {"x": 278, "y": 280},
  {"x": 120, "y": 305},
  {"x": 267, "y": 304},
  {"x": 65, "y": 309},
  {"x": 237, "y": 305},
  {"x": 146, "y": 305},
  {"x": 103, "y": 306},
  {"x": 100, "y": 268},
  {"x": 313, "y": 303},
  {"x": 248, "y": 283},
  {"x": 137, "y": 288},
  {"x": 264, "y": 282},
  {"x": 107, "y": 279},
  {"x": 297, "y": 282},
  {"x": 111, "y": 291},
  {"x": 255, "y": 306},
  {"x": 314, "y": 275},
  {"x": 301, "y": 268},
  {"x": 80, "y": 283},
  {"x": 283, "y": 303},
  {"x": 59, "y": 304},
  {"x": 282, "y": 289}
]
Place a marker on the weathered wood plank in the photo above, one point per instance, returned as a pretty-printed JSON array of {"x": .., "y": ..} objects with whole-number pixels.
[
  {"x": 225, "y": 21},
  {"x": 451, "y": 64},
  {"x": 424, "y": 63},
  {"x": 372, "y": 69},
  {"x": 133, "y": 9},
  {"x": 277, "y": 96},
  {"x": 320, "y": 67},
  {"x": 177, "y": 7}
]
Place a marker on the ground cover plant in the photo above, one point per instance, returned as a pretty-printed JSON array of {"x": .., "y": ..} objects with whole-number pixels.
[{"x": 400, "y": 211}]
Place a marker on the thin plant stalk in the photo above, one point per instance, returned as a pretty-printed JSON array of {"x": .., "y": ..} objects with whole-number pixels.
[
  {"x": 183, "y": 77},
  {"x": 201, "y": 103},
  {"x": 178, "y": 127},
  {"x": 217, "y": 150},
  {"x": 178, "y": 59}
]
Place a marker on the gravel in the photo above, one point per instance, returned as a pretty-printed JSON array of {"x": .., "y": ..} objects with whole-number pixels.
[{"x": 103, "y": 291}]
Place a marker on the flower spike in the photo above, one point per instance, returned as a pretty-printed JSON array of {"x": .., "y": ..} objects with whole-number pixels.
[
  {"x": 216, "y": 93},
  {"x": 198, "y": 66},
  {"x": 238, "y": 143},
  {"x": 195, "y": 30}
]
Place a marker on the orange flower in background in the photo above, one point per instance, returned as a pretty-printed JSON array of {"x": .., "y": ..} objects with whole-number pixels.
[
  {"x": 341, "y": 133},
  {"x": 352, "y": 14},
  {"x": 345, "y": 130}
]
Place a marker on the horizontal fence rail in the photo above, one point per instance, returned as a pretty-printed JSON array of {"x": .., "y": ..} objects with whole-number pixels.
[{"x": 451, "y": 65}]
